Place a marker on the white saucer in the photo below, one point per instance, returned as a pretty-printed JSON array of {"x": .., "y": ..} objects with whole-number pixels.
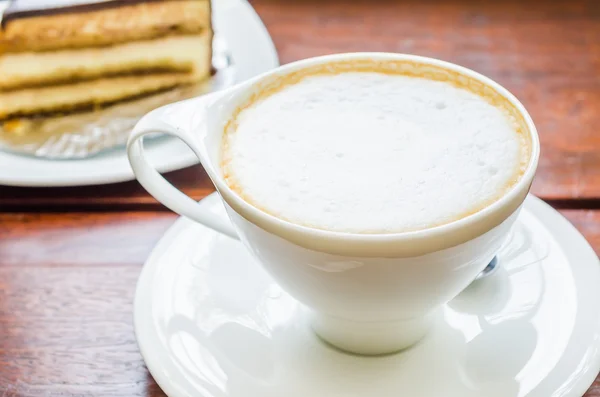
[
  {"x": 252, "y": 52},
  {"x": 210, "y": 322}
]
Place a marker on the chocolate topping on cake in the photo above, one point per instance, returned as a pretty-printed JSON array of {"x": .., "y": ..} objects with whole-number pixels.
[{"x": 32, "y": 8}]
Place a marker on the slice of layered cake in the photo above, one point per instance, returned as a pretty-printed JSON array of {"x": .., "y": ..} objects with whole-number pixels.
[{"x": 61, "y": 55}]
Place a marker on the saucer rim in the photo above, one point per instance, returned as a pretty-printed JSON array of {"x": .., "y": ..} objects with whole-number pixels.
[{"x": 532, "y": 203}]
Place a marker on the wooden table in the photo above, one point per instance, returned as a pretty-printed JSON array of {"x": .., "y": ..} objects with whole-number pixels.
[{"x": 70, "y": 257}]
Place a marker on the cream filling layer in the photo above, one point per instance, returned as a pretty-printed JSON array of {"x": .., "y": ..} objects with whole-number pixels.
[
  {"x": 89, "y": 93},
  {"x": 175, "y": 53}
]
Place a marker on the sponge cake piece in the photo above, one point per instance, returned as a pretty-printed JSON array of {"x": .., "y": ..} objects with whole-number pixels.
[
  {"x": 108, "y": 23},
  {"x": 106, "y": 51}
]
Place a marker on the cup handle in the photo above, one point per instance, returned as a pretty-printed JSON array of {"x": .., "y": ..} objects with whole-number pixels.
[{"x": 158, "y": 186}]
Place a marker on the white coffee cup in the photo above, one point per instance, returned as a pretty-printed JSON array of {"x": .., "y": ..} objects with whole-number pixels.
[{"x": 367, "y": 293}]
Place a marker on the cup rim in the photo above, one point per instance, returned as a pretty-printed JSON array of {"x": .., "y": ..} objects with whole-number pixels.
[{"x": 299, "y": 233}]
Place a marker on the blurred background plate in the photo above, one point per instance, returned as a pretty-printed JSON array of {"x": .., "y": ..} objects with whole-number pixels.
[{"x": 252, "y": 52}]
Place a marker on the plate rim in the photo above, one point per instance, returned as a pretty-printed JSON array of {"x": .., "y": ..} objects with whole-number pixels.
[{"x": 115, "y": 171}]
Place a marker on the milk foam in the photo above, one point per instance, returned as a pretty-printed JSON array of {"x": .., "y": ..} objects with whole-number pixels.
[{"x": 371, "y": 153}]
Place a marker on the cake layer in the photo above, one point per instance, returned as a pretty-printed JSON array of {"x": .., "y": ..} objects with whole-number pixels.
[
  {"x": 89, "y": 93},
  {"x": 107, "y": 26},
  {"x": 173, "y": 53}
]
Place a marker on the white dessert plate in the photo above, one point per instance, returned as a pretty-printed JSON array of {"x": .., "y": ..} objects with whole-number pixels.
[
  {"x": 252, "y": 53},
  {"x": 210, "y": 322}
]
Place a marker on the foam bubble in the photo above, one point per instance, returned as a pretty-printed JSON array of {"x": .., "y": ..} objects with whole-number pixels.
[{"x": 371, "y": 153}]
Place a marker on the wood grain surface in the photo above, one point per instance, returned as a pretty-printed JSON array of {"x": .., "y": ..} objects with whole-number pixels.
[
  {"x": 70, "y": 257},
  {"x": 546, "y": 52},
  {"x": 66, "y": 290}
]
